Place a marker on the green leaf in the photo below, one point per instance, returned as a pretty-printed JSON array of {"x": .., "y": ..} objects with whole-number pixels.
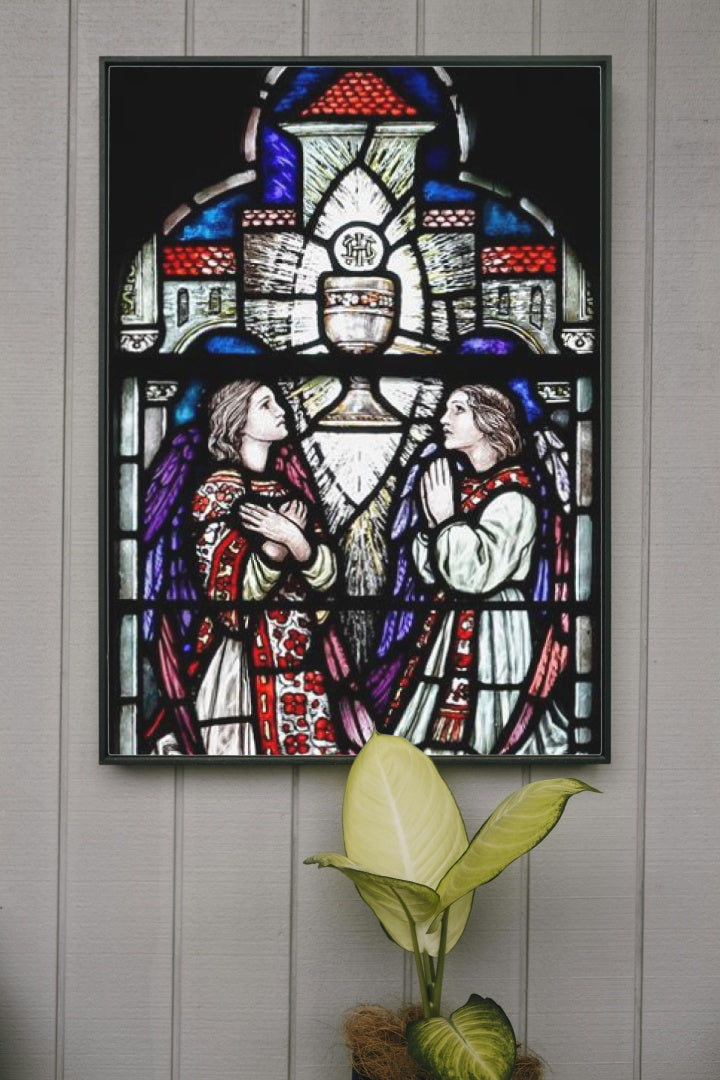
[
  {"x": 476, "y": 1043},
  {"x": 392, "y": 900},
  {"x": 518, "y": 824},
  {"x": 401, "y": 821}
]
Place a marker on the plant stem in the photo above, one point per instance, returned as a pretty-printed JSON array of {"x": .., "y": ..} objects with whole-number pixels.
[
  {"x": 420, "y": 967},
  {"x": 438, "y": 980},
  {"x": 429, "y": 977}
]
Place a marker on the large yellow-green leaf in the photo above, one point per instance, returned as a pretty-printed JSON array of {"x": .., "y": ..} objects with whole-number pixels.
[
  {"x": 401, "y": 821},
  {"x": 392, "y": 900},
  {"x": 518, "y": 824},
  {"x": 399, "y": 816},
  {"x": 476, "y": 1043}
]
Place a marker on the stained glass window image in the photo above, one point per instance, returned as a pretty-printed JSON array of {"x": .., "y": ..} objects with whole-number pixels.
[{"x": 354, "y": 427}]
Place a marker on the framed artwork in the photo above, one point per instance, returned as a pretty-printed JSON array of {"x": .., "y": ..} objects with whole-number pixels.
[{"x": 354, "y": 386}]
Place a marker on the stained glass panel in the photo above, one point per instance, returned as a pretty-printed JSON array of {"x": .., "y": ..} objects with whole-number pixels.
[
  {"x": 127, "y": 559},
  {"x": 128, "y": 492},
  {"x": 128, "y": 656},
  {"x": 584, "y": 644},
  {"x": 129, "y": 418},
  {"x": 583, "y": 700},
  {"x": 355, "y": 418},
  {"x": 583, "y": 557},
  {"x": 128, "y": 728}
]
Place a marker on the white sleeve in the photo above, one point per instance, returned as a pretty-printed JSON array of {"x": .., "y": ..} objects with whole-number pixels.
[
  {"x": 258, "y": 578},
  {"x": 321, "y": 572},
  {"x": 422, "y": 557},
  {"x": 486, "y": 551}
]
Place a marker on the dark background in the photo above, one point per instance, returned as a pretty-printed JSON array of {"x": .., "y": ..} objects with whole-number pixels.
[{"x": 174, "y": 128}]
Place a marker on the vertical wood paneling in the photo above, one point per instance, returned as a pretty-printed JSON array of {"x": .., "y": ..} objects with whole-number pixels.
[
  {"x": 253, "y": 28},
  {"x": 583, "y": 882},
  {"x": 478, "y": 28},
  {"x": 234, "y": 966},
  {"x": 681, "y": 998},
  {"x": 582, "y": 933},
  {"x": 33, "y": 164},
  {"x": 119, "y": 915},
  {"x": 374, "y": 28},
  {"x": 192, "y": 939}
]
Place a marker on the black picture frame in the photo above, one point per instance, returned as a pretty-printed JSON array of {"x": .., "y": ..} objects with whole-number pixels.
[{"x": 530, "y": 128}]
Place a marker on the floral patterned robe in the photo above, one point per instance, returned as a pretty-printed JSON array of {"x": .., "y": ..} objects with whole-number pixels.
[{"x": 265, "y": 687}]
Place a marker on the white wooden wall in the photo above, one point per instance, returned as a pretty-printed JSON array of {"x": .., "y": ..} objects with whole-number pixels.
[{"x": 160, "y": 924}]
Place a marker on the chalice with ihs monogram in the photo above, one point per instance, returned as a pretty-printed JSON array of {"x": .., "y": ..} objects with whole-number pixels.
[{"x": 359, "y": 317}]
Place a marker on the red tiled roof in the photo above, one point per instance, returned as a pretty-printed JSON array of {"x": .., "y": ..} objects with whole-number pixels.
[
  {"x": 198, "y": 260},
  {"x": 360, "y": 93},
  {"x": 256, "y": 219},
  {"x": 519, "y": 259},
  {"x": 449, "y": 218}
]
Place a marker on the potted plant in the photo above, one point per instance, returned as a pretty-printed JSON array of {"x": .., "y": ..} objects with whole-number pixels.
[{"x": 409, "y": 857}]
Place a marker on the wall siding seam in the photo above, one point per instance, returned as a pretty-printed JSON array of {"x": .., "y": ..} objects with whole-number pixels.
[
  {"x": 177, "y": 925},
  {"x": 189, "y": 27},
  {"x": 66, "y": 545},
  {"x": 536, "y": 27},
  {"x": 293, "y": 915},
  {"x": 408, "y": 983},
  {"x": 646, "y": 474},
  {"x": 420, "y": 28},
  {"x": 305, "y": 29},
  {"x": 523, "y": 1034}
]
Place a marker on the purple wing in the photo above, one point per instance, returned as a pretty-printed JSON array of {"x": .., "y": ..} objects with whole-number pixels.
[
  {"x": 168, "y": 573},
  {"x": 407, "y": 586},
  {"x": 549, "y": 470},
  {"x": 168, "y": 628}
]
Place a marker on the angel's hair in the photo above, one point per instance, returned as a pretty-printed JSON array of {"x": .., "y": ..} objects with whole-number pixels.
[
  {"x": 228, "y": 412},
  {"x": 494, "y": 415}
]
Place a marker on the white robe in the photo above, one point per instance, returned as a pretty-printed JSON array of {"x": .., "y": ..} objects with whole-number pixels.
[{"x": 487, "y": 555}]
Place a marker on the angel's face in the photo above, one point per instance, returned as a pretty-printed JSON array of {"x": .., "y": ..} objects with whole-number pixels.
[
  {"x": 458, "y": 424},
  {"x": 265, "y": 417}
]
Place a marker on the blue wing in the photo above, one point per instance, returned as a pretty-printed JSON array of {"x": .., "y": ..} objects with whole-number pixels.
[
  {"x": 400, "y": 627},
  {"x": 406, "y": 584}
]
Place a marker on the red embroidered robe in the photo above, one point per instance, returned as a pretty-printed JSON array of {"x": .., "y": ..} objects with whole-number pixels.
[{"x": 265, "y": 689}]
